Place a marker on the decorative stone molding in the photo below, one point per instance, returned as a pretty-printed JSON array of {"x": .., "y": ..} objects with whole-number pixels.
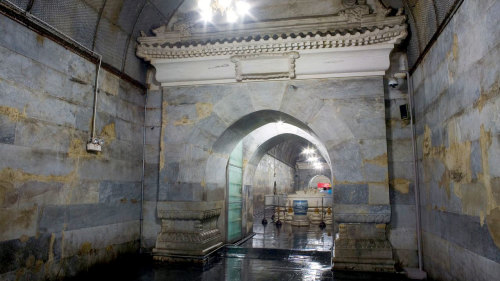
[
  {"x": 344, "y": 213},
  {"x": 275, "y": 44},
  {"x": 355, "y": 42},
  {"x": 265, "y": 66},
  {"x": 188, "y": 214},
  {"x": 354, "y": 10},
  {"x": 188, "y": 229},
  {"x": 363, "y": 247},
  {"x": 363, "y": 218}
]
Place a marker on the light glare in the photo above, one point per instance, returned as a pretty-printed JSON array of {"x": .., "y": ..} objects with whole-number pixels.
[
  {"x": 232, "y": 17},
  {"x": 242, "y": 8},
  {"x": 204, "y": 4},
  {"x": 206, "y": 15},
  {"x": 225, "y": 3},
  {"x": 312, "y": 159},
  {"x": 308, "y": 151}
]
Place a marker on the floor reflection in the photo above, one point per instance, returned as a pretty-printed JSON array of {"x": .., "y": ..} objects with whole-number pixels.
[
  {"x": 311, "y": 238},
  {"x": 286, "y": 253}
]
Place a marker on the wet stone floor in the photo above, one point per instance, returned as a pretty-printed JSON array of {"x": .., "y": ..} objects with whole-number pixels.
[{"x": 285, "y": 253}]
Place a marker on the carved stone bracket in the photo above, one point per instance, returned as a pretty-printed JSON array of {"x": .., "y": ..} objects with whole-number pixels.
[{"x": 265, "y": 66}]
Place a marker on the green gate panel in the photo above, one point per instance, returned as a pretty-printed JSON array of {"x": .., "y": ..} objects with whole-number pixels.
[{"x": 234, "y": 179}]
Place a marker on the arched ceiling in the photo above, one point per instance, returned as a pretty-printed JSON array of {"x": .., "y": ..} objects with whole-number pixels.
[{"x": 110, "y": 27}]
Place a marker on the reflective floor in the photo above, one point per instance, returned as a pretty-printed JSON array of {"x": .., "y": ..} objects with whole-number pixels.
[
  {"x": 311, "y": 238},
  {"x": 295, "y": 267},
  {"x": 286, "y": 253}
]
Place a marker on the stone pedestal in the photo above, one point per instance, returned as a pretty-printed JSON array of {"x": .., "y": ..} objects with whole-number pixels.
[
  {"x": 188, "y": 230},
  {"x": 289, "y": 215},
  {"x": 300, "y": 220},
  {"x": 315, "y": 216},
  {"x": 362, "y": 243},
  {"x": 280, "y": 213},
  {"x": 328, "y": 216}
]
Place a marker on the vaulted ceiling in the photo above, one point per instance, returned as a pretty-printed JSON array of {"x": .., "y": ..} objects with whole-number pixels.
[{"x": 110, "y": 27}]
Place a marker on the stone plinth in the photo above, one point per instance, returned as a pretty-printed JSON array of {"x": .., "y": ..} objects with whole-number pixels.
[
  {"x": 328, "y": 216},
  {"x": 362, "y": 243},
  {"x": 300, "y": 220},
  {"x": 289, "y": 215},
  {"x": 188, "y": 230},
  {"x": 315, "y": 217}
]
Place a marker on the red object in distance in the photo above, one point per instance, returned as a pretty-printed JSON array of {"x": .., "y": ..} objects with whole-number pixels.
[{"x": 323, "y": 185}]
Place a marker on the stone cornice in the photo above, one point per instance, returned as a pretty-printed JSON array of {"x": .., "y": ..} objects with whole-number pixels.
[
  {"x": 187, "y": 34},
  {"x": 260, "y": 45},
  {"x": 355, "y": 42}
]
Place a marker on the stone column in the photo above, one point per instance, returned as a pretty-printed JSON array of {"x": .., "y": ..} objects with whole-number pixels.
[{"x": 188, "y": 230}]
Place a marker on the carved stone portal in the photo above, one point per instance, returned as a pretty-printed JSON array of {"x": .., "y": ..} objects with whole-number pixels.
[{"x": 188, "y": 229}]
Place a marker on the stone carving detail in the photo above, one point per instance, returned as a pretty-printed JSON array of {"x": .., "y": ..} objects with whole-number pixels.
[
  {"x": 188, "y": 215},
  {"x": 363, "y": 218},
  {"x": 188, "y": 237},
  {"x": 363, "y": 247},
  {"x": 286, "y": 70},
  {"x": 188, "y": 228},
  {"x": 355, "y": 10},
  {"x": 392, "y": 35},
  {"x": 362, "y": 244}
]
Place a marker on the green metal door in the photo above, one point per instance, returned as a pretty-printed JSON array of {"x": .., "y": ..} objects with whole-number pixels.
[{"x": 234, "y": 178}]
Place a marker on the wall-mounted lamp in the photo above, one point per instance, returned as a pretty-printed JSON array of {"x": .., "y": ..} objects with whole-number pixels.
[{"x": 95, "y": 144}]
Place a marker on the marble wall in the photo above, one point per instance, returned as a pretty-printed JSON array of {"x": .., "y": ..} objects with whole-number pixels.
[
  {"x": 61, "y": 208},
  {"x": 402, "y": 234},
  {"x": 263, "y": 183},
  {"x": 193, "y": 129},
  {"x": 457, "y": 112}
]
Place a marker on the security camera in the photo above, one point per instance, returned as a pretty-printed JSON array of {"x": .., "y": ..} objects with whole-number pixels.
[{"x": 393, "y": 82}]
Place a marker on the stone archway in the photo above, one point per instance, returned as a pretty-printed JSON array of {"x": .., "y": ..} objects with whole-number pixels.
[
  {"x": 318, "y": 179},
  {"x": 346, "y": 115},
  {"x": 329, "y": 84}
]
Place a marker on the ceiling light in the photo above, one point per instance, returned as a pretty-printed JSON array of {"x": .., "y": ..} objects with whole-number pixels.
[
  {"x": 206, "y": 15},
  {"x": 308, "y": 151},
  {"x": 312, "y": 159},
  {"x": 242, "y": 8},
  {"x": 204, "y": 4},
  {"x": 225, "y": 3},
  {"x": 318, "y": 166},
  {"x": 232, "y": 17},
  {"x": 231, "y": 9}
]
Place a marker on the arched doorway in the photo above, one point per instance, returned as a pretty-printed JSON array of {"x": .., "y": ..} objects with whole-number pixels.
[
  {"x": 322, "y": 112},
  {"x": 315, "y": 180}
]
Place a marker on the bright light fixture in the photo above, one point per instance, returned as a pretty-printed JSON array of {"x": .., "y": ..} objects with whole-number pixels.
[
  {"x": 231, "y": 9},
  {"x": 242, "y": 8},
  {"x": 204, "y": 4},
  {"x": 225, "y": 3},
  {"x": 312, "y": 159},
  {"x": 308, "y": 151},
  {"x": 206, "y": 15},
  {"x": 232, "y": 17}
]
